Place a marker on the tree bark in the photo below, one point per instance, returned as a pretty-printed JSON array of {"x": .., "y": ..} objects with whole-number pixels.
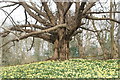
[
  {"x": 61, "y": 46},
  {"x": 80, "y": 45},
  {"x": 118, "y": 41},
  {"x": 37, "y": 49},
  {"x": 114, "y": 51},
  {"x": 64, "y": 50},
  {"x": 118, "y": 34},
  {"x": 105, "y": 52},
  {"x": 0, "y": 52}
]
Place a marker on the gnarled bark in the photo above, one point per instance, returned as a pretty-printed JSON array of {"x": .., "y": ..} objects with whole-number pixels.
[
  {"x": 61, "y": 46},
  {"x": 61, "y": 50}
]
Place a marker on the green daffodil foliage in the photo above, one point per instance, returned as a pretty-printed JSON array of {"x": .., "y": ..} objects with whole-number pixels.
[{"x": 73, "y": 68}]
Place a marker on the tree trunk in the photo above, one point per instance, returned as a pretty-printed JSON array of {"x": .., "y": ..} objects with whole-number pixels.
[
  {"x": 61, "y": 46},
  {"x": 101, "y": 41},
  {"x": 104, "y": 49},
  {"x": 0, "y": 51},
  {"x": 37, "y": 49},
  {"x": 61, "y": 50},
  {"x": 80, "y": 45},
  {"x": 118, "y": 41},
  {"x": 105, "y": 53},
  {"x": 114, "y": 51},
  {"x": 118, "y": 34},
  {"x": 55, "y": 55}
]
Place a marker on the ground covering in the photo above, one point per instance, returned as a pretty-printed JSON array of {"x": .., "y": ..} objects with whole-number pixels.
[{"x": 73, "y": 68}]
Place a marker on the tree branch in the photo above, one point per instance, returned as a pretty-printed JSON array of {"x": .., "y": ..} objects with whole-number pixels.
[
  {"x": 96, "y": 18},
  {"x": 49, "y": 13},
  {"x": 9, "y": 14},
  {"x": 33, "y": 7},
  {"x": 43, "y": 31},
  {"x": 46, "y": 37},
  {"x": 68, "y": 5},
  {"x": 102, "y": 12},
  {"x": 8, "y": 5},
  {"x": 78, "y": 18},
  {"x": 76, "y": 32},
  {"x": 10, "y": 17},
  {"x": 34, "y": 15},
  {"x": 88, "y": 7}
]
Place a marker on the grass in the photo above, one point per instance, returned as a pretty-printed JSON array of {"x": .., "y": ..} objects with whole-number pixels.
[{"x": 73, "y": 68}]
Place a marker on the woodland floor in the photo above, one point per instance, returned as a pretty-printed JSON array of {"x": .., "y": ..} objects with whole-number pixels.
[{"x": 73, "y": 68}]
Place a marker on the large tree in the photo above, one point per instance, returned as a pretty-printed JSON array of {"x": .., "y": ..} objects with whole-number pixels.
[{"x": 56, "y": 27}]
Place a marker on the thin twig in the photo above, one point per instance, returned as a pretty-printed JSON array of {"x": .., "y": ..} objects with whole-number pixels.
[
  {"x": 31, "y": 44},
  {"x": 8, "y": 5},
  {"x": 9, "y": 15}
]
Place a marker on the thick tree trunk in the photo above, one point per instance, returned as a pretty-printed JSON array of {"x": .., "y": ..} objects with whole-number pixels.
[
  {"x": 64, "y": 50},
  {"x": 61, "y": 46},
  {"x": 55, "y": 55},
  {"x": 61, "y": 50}
]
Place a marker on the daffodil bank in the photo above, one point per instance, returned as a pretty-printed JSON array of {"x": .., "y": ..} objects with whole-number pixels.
[{"x": 73, "y": 68}]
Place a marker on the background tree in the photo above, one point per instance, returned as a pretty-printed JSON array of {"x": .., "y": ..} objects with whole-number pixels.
[
  {"x": 79, "y": 38},
  {"x": 114, "y": 50},
  {"x": 118, "y": 33}
]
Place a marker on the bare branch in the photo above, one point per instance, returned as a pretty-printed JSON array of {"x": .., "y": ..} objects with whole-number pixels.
[
  {"x": 60, "y": 6},
  {"x": 96, "y": 18},
  {"x": 67, "y": 5},
  {"x": 5, "y": 1},
  {"x": 10, "y": 14},
  {"x": 33, "y": 7},
  {"x": 102, "y": 12},
  {"x": 8, "y": 5},
  {"x": 76, "y": 32},
  {"x": 26, "y": 17},
  {"x": 31, "y": 25},
  {"x": 87, "y": 29},
  {"x": 38, "y": 18},
  {"x": 78, "y": 18},
  {"x": 79, "y": 14},
  {"x": 10, "y": 17},
  {"x": 49, "y": 13},
  {"x": 88, "y": 7},
  {"x": 6, "y": 43},
  {"x": 20, "y": 28},
  {"x": 31, "y": 44},
  {"x": 77, "y": 7},
  {"x": 46, "y": 37},
  {"x": 60, "y": 9},
  {"x": 7, "y": 31},
  {"x": 43, "y": 31}
]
